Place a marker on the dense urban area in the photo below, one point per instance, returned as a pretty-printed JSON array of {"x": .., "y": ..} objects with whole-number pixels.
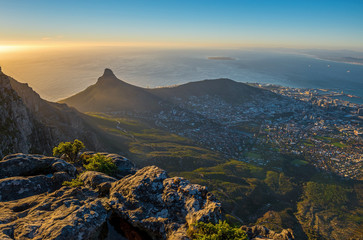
[{"x": 309, "y": 124}]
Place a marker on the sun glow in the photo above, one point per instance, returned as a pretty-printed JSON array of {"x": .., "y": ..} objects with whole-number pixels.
[
  {"x": 15, "y": 48},
  {"x": 4, "y": 48}
]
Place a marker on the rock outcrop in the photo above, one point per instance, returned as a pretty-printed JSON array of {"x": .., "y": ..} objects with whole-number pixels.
[
  {"x": 95, "y": 179},
  {"x": 68, "y": 213},
  {"x": 162, "y": 206},
  {"x": 29, "y": 164},
  {"x": 144, "y": 205},
  {"x": 26, "y": 175},
  {"x": 261, "y": 232}
]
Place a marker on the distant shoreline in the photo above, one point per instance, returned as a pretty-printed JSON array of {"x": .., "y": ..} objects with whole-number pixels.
[
  {"x": 333, "y": 59},
  {"x": 221, "y": 58}
]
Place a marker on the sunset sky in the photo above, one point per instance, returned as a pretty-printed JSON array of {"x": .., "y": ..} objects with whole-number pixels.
[{"x": 251, "y": 23}]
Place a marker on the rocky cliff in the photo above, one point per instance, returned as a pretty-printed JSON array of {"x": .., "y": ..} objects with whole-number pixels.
[
  {"x": 30, "y": 124},
  {"x": 17, "y": 124}
]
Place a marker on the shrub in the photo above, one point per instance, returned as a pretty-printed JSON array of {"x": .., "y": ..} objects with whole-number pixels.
[
  {"x": 74, "y": 183},
  {"x": 70, "y": 150},
  {"x": 100, "y": 163},
  {"x": 219, "y": 231}
]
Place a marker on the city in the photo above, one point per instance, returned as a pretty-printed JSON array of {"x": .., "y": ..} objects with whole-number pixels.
[{"x": 307, "y": 123}]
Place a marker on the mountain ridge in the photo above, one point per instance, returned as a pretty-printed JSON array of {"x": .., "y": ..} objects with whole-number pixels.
[{"x": 112, "y": 94}]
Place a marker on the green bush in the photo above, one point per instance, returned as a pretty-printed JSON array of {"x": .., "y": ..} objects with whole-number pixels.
[
  {"x": 74, "y": 183},
  {"x": 100, "y": 163},
  {"x": 70, "y": 150},
  {"x": 219, "y": 231}
]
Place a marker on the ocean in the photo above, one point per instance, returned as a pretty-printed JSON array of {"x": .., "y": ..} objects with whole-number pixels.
[{"x": 57, "y": 74}]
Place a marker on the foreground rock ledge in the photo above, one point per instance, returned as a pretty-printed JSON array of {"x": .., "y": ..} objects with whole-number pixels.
[
  {"x": 162, "y": 206},
  {"x": 148, "y": 201}
]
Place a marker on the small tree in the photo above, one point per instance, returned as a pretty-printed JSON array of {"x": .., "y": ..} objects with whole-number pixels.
[
  {"x": 100, "y": 163},
  {"x": 70, "y": 150}
]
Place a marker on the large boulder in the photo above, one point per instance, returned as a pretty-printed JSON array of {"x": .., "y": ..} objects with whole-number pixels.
[
  {"x": 68, "y": 213},
  {"x": 20, "y": 187},
  {"x": 162, "y": 206},
  {"x": 24, "y": 175},
  {"x": 29, "y": 165}
]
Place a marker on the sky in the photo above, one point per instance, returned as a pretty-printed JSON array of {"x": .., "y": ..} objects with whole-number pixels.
[{"x": 226, "y": 24}]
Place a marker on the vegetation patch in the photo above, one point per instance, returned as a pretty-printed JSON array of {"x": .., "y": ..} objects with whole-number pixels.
[
  {"x": 219, "y": 231},
  {"x": 100, "y": 163},
  {"x": 73, "y": 183},
  {"x": 69, "y": 150}
]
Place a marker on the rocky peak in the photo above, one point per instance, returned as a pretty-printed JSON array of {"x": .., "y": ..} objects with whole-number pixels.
[
  {"x": 162, "y": 206},
  {"x": 108, "y": 73},
  {"x": 107, "y": 78}
]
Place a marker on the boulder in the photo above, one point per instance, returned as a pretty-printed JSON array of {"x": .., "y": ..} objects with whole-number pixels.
[
  {"x": 29, "y": 165},
  {"x": 68, "y": 213},
  {"x": 261, "y": 232},
  {"x": 97, "y": 180},
  {"x": 24, "y": 175},
  {"x": 20, "y": 187},
  {"x": 162, "y": 206}
]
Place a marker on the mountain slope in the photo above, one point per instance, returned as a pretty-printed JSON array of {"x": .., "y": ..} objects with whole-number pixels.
[
  {"x": 30, "y": 124},
  {"x": 223, "y": 88},
  {"x": 112, "y": 94}
]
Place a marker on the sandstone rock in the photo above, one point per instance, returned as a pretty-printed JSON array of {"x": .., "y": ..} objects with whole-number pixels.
[
  {"x": 19, "y": 187},
  {"x": 160, "y": 205},
  {"x": 24, "y": 175},
  {"x": 69, "y": 213},
  {"x": 30, "y": 165},
  {"x": 261, "y": 232},
  {"x": 146, "y": 205},
  {"x": 94, "y": 179}
]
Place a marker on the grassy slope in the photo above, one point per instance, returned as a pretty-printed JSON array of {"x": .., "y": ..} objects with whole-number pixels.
[{"x": 294, "y": 196}]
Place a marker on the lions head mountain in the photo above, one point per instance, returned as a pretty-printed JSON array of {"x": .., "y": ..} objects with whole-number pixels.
[
  {"x": 111, "y": 94},
  {"x": 258, "y": 149}
]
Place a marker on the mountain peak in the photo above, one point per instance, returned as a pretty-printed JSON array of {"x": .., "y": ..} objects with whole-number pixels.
[
  {"x": 107, "y": 77},
  {"x": 108, "y": 73}
]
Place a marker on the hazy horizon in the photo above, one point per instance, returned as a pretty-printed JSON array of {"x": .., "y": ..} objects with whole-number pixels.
[{"x": 59, "y": 73}]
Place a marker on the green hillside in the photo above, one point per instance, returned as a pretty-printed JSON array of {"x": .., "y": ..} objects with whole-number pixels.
[{"x": 292, "y": 195}]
